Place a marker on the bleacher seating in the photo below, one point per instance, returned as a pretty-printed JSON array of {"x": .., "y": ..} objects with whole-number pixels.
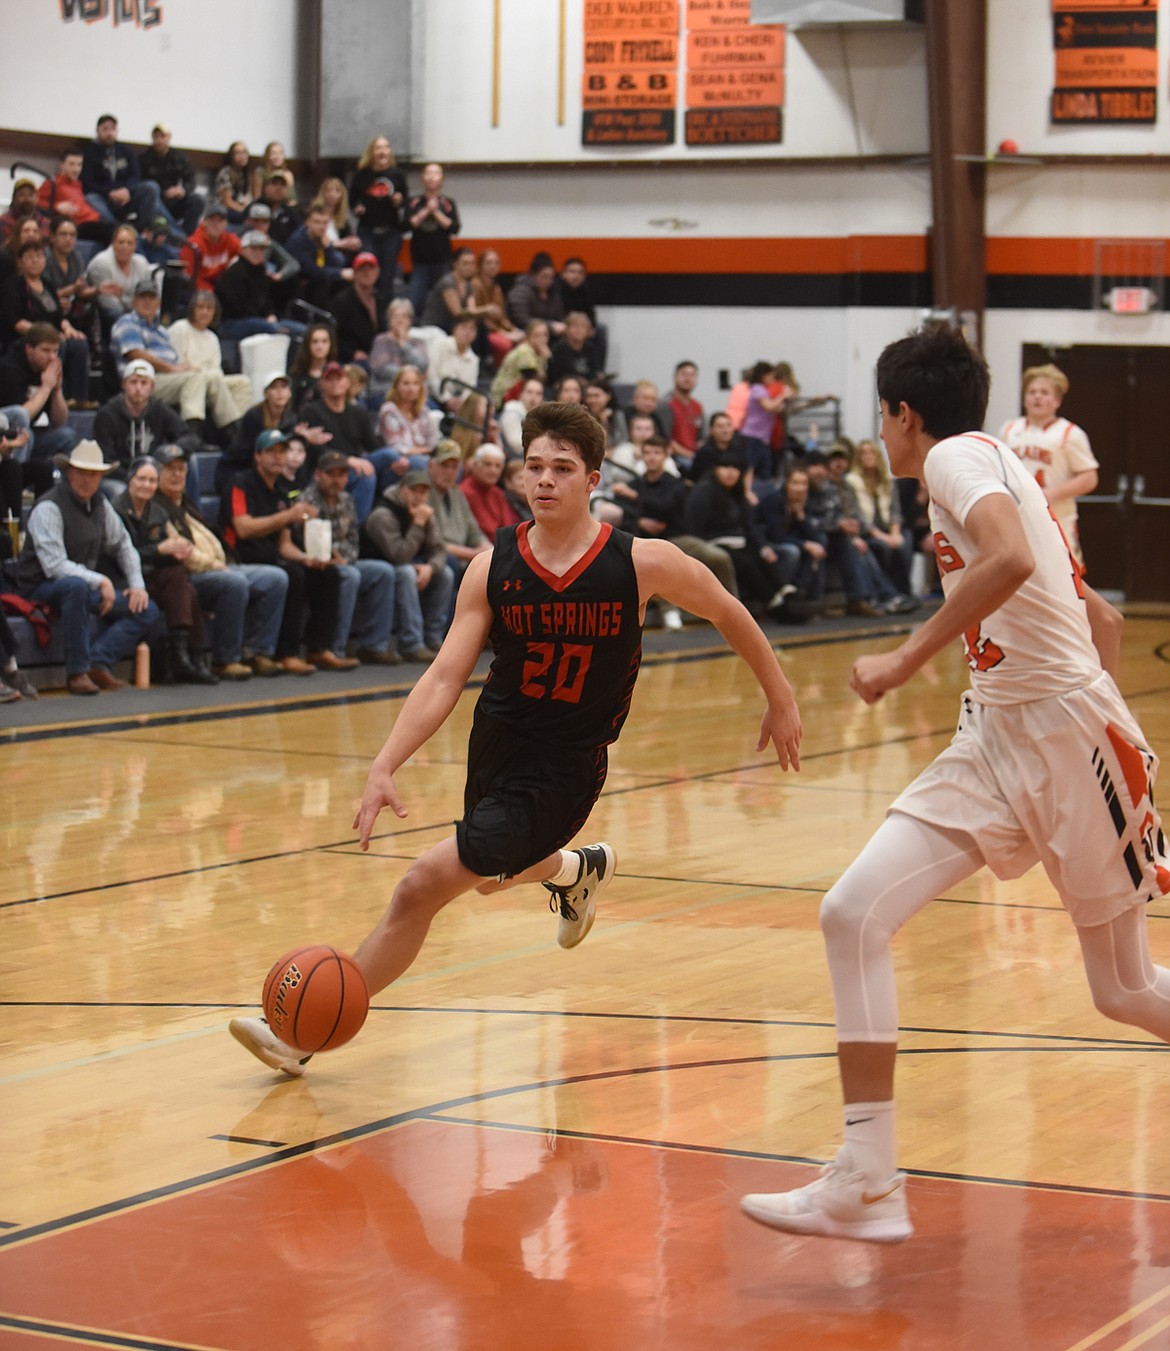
[{"x": 201, "y": 482}]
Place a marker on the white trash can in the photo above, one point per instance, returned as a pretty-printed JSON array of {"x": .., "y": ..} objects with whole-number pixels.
[{"x": 260, "y": 356}]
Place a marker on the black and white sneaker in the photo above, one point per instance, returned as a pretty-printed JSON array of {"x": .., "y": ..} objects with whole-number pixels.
[
  {"x": 577, "y": 904},
  {"x": 256, "y": 1036}
]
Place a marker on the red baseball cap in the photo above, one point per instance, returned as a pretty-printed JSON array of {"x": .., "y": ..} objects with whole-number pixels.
[{"x": 365, "y": 260}]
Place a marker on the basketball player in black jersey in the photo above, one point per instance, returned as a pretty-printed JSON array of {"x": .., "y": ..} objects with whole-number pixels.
[{"x": 562, "y": 599}]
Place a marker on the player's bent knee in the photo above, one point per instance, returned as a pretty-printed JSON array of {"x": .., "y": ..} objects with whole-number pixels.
[{"x": 841, "y": 918}]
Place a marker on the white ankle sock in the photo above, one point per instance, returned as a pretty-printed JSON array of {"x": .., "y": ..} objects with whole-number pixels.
[
  {"x": 869, "y": 1133},
  {"x": 569, "y": 873}
]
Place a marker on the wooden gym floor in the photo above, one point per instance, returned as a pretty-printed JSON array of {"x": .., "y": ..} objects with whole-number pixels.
[{"x": 528, "y": 1148}]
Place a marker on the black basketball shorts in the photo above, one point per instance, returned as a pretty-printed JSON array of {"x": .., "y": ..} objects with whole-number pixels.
[{"x": 523, "y": 799}]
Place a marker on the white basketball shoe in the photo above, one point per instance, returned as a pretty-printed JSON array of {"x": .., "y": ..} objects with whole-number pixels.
[{"x": 841, "y": 1203}]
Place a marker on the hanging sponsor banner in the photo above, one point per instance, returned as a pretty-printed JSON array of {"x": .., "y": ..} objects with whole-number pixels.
[
  {"x": 629, "y": 85},
  {"x": 735, "y": 75},
  {"x": 1106, "y": 61}
]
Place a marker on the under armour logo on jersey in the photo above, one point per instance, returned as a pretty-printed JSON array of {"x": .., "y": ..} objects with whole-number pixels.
[{"x": 512, "y": 585}]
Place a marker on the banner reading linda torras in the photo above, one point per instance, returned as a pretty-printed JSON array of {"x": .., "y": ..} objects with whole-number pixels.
[
  {"x": 735, "y": 75},
  {"x": 629, "y": 87},
  {"x": 1106, "y": 61}
]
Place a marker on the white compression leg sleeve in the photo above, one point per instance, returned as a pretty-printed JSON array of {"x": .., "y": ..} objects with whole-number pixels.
[
  {"x": 1126, "y": 984},
  {"x": 905, "y": 866}
]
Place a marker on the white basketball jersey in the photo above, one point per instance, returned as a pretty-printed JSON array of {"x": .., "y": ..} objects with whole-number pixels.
[
  {"x": 1052, "y": 455},
  {"x": 1038, "y": 643}
]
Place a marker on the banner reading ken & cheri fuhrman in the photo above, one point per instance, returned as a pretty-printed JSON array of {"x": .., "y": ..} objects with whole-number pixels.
[{"x": 1106, "y": 57}]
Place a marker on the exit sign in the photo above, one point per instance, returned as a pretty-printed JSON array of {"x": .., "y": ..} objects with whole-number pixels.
[{"x": 1130, "y": 299}]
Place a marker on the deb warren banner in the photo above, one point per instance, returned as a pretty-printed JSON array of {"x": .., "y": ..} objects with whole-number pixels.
[
  {"x": 629, "y": 82},
  {"x": 1106, "y": 59}
]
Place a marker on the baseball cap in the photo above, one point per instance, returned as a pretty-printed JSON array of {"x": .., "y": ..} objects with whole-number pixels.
[
  {"x": 365, "y": 260},
  {"x": 215, "y": 209},
  {"x": 147, "y": 287},
  {"x": 277, "y": 375},
  {"x": 160, "y": 126},
  {"x": 446, "y": 450},
  {"x": 160, "y": 223},
  {"x": 254, "y": 239},
  {"x": 138, "y": 367},
  {"x": 168, "y": 454},
  {"x": 23, "y": 183},
  {"x": 272, "y": 437},
  {"x": 259, "y": 211},
  {"x": 332, "y": 459},
  {"x": 415, "y": 478},
  {"x": 333, "y": 368}
]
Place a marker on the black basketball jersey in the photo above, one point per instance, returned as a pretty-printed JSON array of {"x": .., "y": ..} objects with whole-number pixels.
[{"x": 567, "y": 649}]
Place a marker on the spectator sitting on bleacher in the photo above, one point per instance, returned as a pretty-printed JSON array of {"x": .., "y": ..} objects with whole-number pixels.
[
  {"x": 27, "y": 299},
  {"x": 274, "y": 412},
  {"x": 244, "y": 292},
  {"x": 117, "y": 271},
  {"x": 162, "y": 554},
  {"x": 74, "y": 537},
  {"x": 512, "y": 417},
  {"x": 797, "y": 538},
  {"x": 277, "y": 195},
  {"x": 194, "y": 339},
  {"x": 600, "y": 400},
  {"x": 64, "y": 196},
  {"x": 317, "y": 351},
  {"x": 405, "y": 423},
  {"x": 32, "y": 401},
  {"x": 453, "y": 294},
  {"x": 134, "y": 422},
  {"x": 481, "y": 487},
  {"x": 233, "y": 182},
  {"x": 111, "y": 178},
  {"x": 12, "y": 439},
  {"x": 211, "y": 248},
  {"x": 572, "y": 285},
  {"x": 644, "y": 400},
  {"x": 172, "y": 171},
  {"x": 492, "y": 308},
  {"x": 528, "y": 358},
  {"x": 533, "y": 296},
  {"x": 366, "y": 599},
  {"x": 258, "y": 515},
  {"x": 457, "y": 526},
  {"x": 23, "y": 207},
  {"x": 65, "y": 270},
  {"x": 656, "y": 512},
  {"x": 721, "y": 437},
  {"x": 324, "y": 270},
  {"x": 452, "y": 359},
  {"x": 356, "y": 310},
  {"x": 138, "y": 336},
  {"x": 402, "y": 530},
  {"x": 351, "y": 432},
  {"x": 395, "y": 347},
  {"x": 280, "y": 265},
  {"x": 683, "y": 415},
  {"x": 573, "y": 353},
  {"x": 246, "y": 599}
]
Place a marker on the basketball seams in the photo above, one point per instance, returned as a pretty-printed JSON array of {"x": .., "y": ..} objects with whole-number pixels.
[{"x": 324, "y": 1006}]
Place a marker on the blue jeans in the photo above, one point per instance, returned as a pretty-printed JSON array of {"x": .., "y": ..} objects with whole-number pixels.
[
  {"x": 423, "y": 615},
  {"x": 74, "y": 353},
  {"x": 75, "y": 601},
  {"x": 385, "y": 245},
  {"x": 144, "y": 203},
  {"x": 49, "y": 441},
  {"x": 423, "y": 277},
  {"x": 248, "y": 602},
  {"x": 365, "y": 605},
  {"x": 236, "y": 329}
]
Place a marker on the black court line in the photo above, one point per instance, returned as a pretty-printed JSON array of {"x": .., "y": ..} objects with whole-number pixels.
[
  {"x": 719, "y": 1020},
  {"x": 432, "y": 1111},
  {"x": 9, "y": 1224},
  {"x": 66, "y": 1332},
  {"x": 247, "y": 1140}
]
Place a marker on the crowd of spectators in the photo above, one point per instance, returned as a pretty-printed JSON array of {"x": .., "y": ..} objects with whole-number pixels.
[{"x": 388, "y": 428}]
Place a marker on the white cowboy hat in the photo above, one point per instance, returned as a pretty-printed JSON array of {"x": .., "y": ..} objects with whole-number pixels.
[{"x": 85, "y": 455}]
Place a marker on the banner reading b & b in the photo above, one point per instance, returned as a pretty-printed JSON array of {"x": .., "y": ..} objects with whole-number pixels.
[{"x": 629, "y": 87}]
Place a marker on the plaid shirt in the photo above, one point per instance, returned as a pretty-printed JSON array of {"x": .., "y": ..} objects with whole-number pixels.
[{"x": 342, "y": 517}]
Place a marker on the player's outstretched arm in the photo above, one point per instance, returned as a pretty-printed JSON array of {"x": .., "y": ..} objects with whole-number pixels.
[
  {"x": 666, "y": 571},
  {"x": 1003, "y": 563},
  {"x": 429, "y": 704}
]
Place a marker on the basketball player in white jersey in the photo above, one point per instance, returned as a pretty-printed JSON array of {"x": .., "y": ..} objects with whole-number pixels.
[
  {"x": 1055, "y": 451},
  {"x": 1047, "y": 765}
]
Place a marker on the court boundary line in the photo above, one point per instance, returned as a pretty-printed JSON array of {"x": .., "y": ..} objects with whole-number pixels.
[
  {"x": 83, "y": 1336},
  {"x": 433, "y": 1111}
]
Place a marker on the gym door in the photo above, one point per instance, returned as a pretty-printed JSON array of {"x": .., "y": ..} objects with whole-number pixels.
[{"x": 1121, "y": 397}]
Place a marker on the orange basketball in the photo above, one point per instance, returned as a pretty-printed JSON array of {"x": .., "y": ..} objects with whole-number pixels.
[{"x": 315, "y": 999}]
